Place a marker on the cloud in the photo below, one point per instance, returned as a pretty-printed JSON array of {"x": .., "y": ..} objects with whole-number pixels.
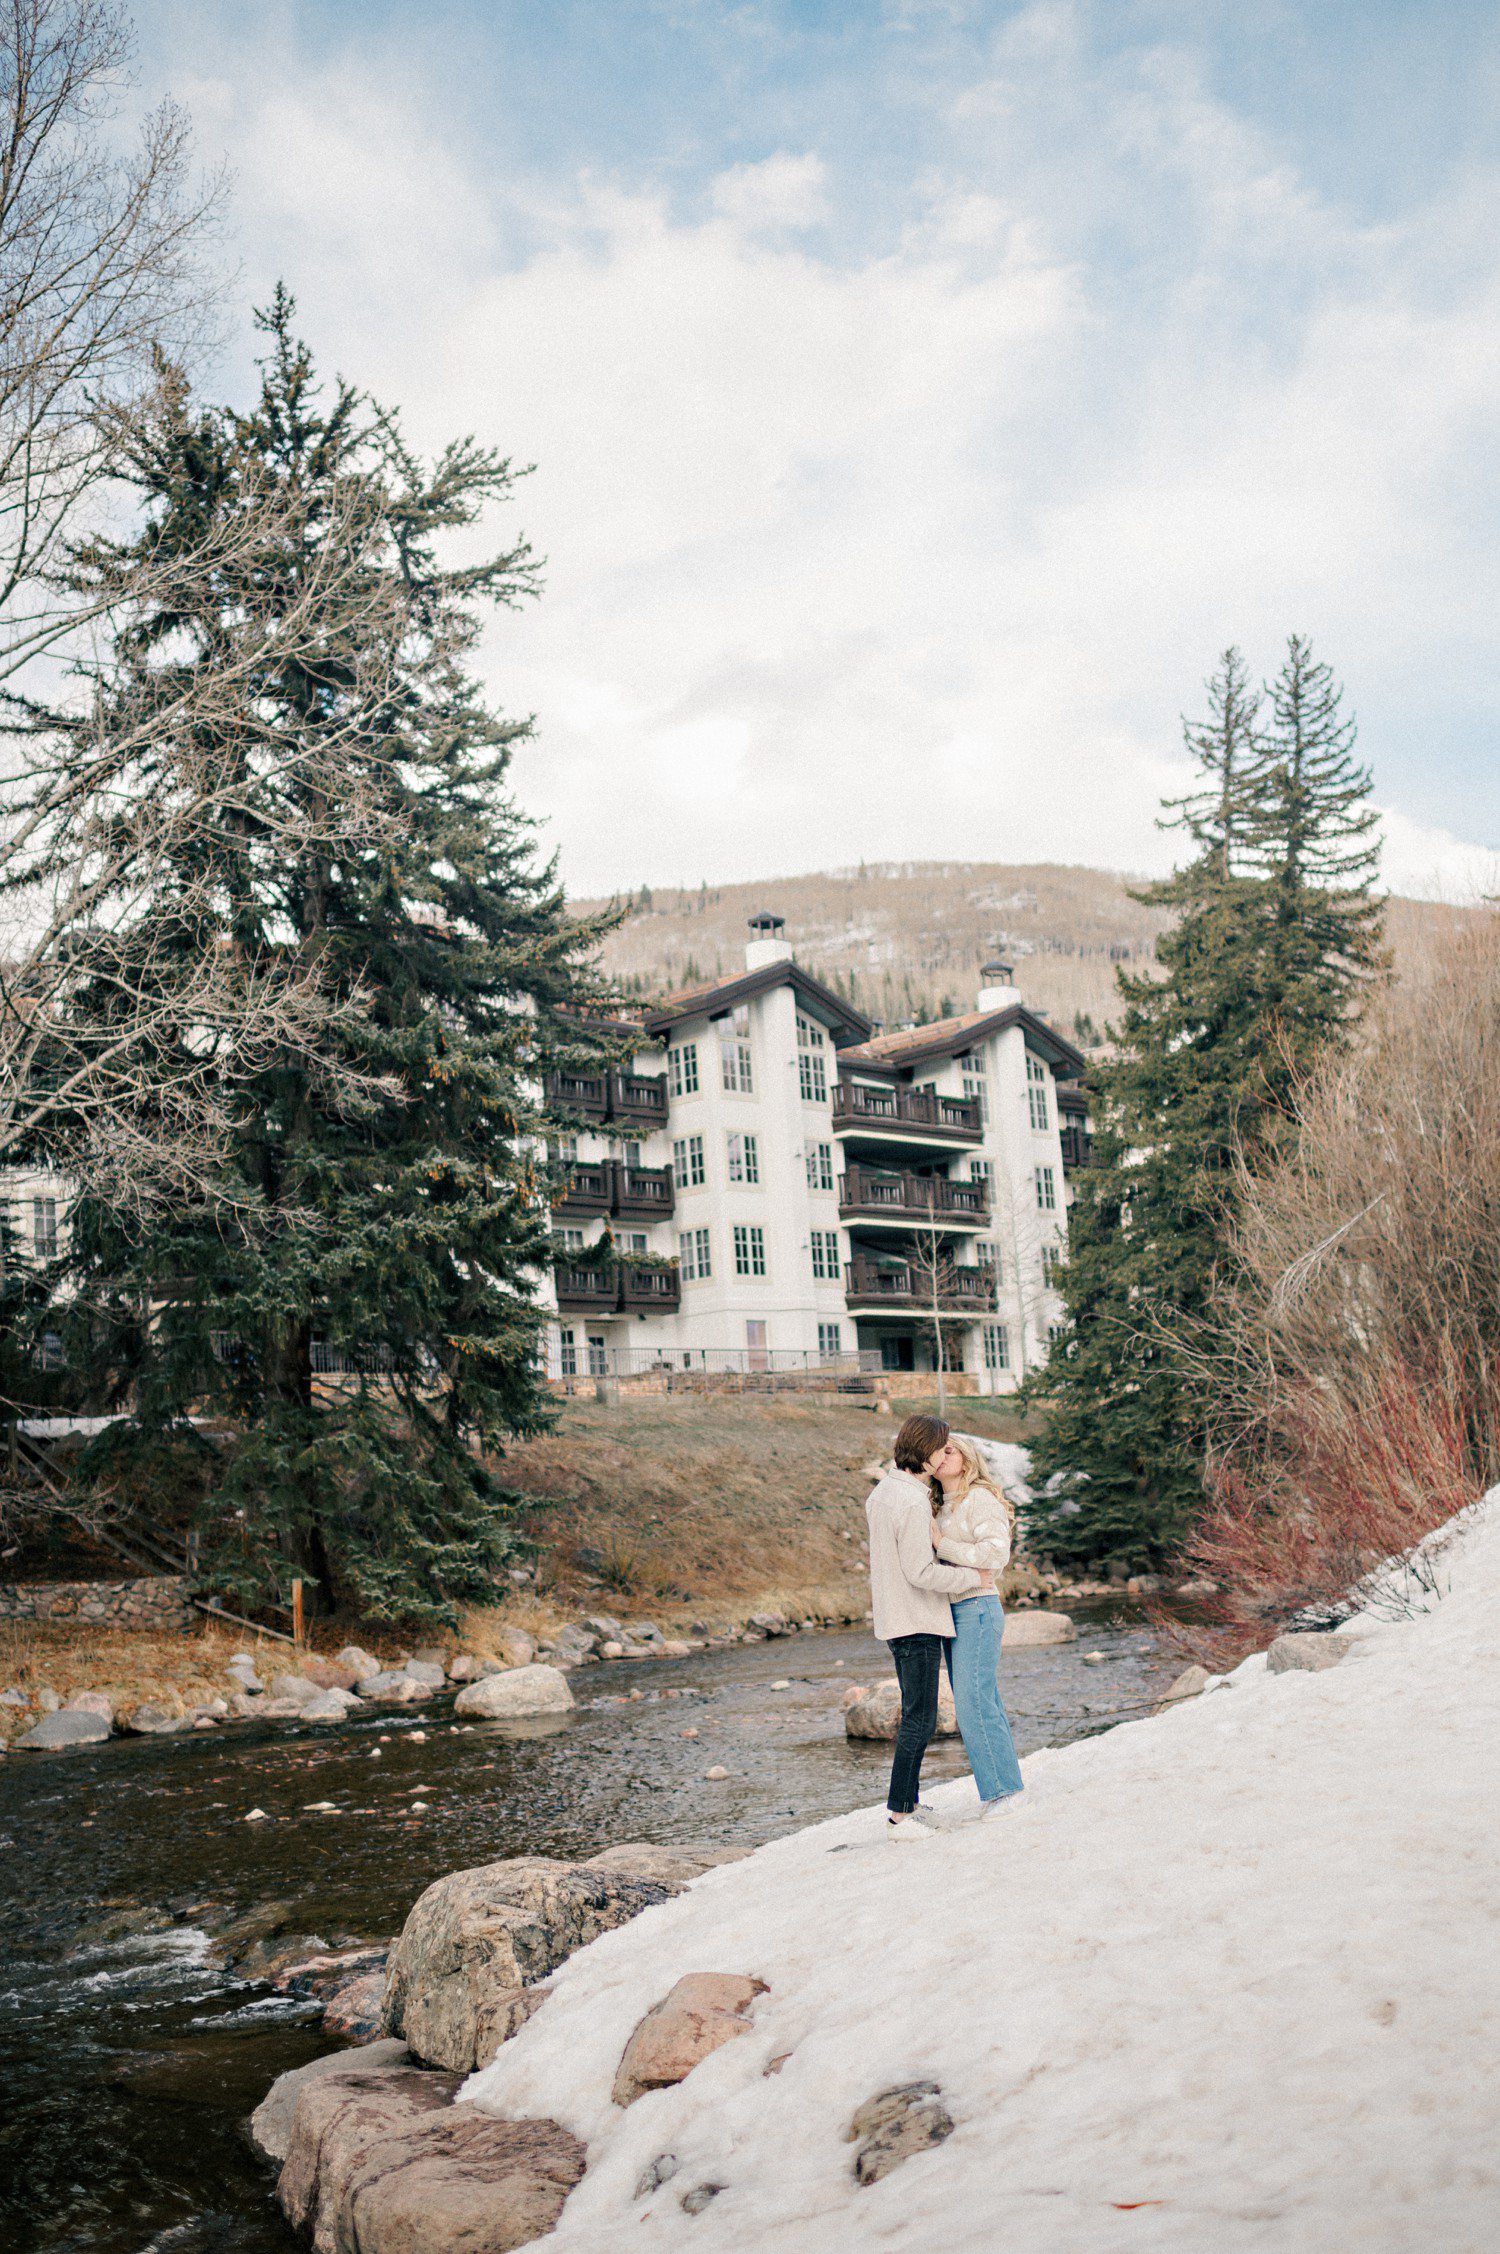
[{"x": 917, "y": 547}]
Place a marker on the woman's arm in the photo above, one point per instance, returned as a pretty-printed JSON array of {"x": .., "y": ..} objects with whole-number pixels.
[{"x": 981, "y": 1539}]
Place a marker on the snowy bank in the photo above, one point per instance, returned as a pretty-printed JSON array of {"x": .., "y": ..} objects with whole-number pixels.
[{"x": 1228, "y": 1978}]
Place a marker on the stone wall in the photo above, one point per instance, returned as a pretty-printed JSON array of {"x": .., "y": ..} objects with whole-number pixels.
[{"x": 161, "y": 1602}]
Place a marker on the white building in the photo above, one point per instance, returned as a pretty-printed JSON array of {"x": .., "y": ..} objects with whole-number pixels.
[{"x": 771, "y": 1184}]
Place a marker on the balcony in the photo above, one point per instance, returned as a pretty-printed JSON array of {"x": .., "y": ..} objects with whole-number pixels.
[
  {"x": 865, "y": 1194},
  {"x": 588, "y": 1188},
  {"x": 870, "y": 1285},
  {"x": 583, "y": 1093},
  {"x": 644, "y": 1192},
  {"x": 650, "y": 1290},
  {"x": 587, "y": 1291},
  {"x": 905, "y": 1115},
  {"x": 1077, "y": 1146},
  {"x": 638, "y": 1099}
]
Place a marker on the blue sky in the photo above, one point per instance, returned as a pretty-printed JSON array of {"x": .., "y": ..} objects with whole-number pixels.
[{"x": 920, "y": 395}]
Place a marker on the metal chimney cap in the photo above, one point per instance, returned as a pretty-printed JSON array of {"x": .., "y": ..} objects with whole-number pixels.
[
  {"x": 763, "y": 920},
  {"x": 997, "y": 974}
]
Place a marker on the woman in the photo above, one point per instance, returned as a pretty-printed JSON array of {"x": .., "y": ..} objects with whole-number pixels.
[
  {"x": 910, "y": 1589},
  {"x": 971, "y": 1525}
]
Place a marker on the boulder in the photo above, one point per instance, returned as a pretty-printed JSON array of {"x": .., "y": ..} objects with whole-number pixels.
[
  {"x": 330, "y": 1706},
  {"x": 1191, "y": 1683},
  {"x": 642, "y": 1632},
  {"x": 1024, "y": 1629},
  {"x": 358, "y": 1661},
  {"x": 768, "y": 1623},
  {"x": 877, "y": 1713},
  {"x": 355, "y": 2013},
  {"x": 673, "y": 1647},
  {"x": 431, "y": 1672},
  {"x": 1313, "y": 1651},
  {"x": 696, "y": 2017},
  {"x": 269, "y": 2128},
  {"x": 47, "y": 1699},
  {"x": 659, "y": 1866},
  {"x": 91, "y": 1702},
  {"x": 329, "y": 1970},
  {"x": 468, "y": 1667},
  {"x": 59, "y": 1729},
  {"x": 605, "y": 1627},
  {"x": 517, "y": 1649},
  {"x": 895, "y": 2124},
  {"x": 478, "y": 1935},
  {"x": 329, "y": 1674},
  {"x": 289, "y": 1689},
  {"x": 383, "y": 2163},
  {"x": 242, "y": 1670},
  {"x": 244, "y": 1703},
  {"x": 154, "y": 1721},
  {"x": 518, "y": 1691},
  {"x": 573, "y": 1644},
  {"x": 392, "y": 1687}
]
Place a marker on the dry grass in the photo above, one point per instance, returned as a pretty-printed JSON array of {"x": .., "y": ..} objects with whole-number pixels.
[{"x": 134, "y": 1665}]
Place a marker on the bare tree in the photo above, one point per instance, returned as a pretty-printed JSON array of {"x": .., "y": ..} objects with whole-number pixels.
[{"x": 102, "y": 266}]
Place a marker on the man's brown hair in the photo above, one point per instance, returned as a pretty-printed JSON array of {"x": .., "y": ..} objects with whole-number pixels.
[{"x": 918, "y": 1440}]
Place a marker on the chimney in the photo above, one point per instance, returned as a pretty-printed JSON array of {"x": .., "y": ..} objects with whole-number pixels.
[
  {"x": 997, "y": 986},
  {"x": 767, "y": 946}
]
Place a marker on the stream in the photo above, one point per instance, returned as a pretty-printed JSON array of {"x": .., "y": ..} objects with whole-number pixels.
[{"x": 132, "y": 2057}]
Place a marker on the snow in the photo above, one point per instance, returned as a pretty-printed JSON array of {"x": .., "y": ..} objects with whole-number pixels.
[{"x": 1228, "y": 1978}]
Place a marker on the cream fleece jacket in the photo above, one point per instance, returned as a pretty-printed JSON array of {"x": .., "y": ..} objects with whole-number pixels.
[
  {"x": 910, "y": 1588},
  {"x": 975, "y": 1531}
]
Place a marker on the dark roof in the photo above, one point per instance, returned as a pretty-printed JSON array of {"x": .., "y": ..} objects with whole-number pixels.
[
  {"x": 717, "y": 995},
  {"x": 949, "y": 1036}
]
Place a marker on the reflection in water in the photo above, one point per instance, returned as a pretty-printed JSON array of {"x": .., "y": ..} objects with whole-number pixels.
[{"x": 132, "y": 2055}]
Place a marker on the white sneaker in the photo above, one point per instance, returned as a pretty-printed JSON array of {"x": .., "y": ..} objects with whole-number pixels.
[
  {"x": 998, "y": 1807},
  {"x": 903, "y": 1830}
]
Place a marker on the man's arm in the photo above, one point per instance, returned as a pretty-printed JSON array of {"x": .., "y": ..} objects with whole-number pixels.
[{"x": 914, "y": 1553}]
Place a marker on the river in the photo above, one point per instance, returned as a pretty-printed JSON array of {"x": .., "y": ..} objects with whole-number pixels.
[{"x": 131, "y": 2057}]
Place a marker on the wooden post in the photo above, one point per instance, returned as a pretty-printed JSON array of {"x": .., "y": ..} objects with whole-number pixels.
[{"x": 297, "y": 1619}]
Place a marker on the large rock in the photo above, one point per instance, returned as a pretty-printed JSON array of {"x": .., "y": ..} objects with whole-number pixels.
[
  {"x": 355, "y": 2013},
  {"x": 662, "y": 1866},
  {"x": 429, "y": 1671},
  {"x": 1025, "y": 1629},
  {"x": 270, "y": 2125},
  {"x": 469, "y": 1667},
  {"x": 519, "y": 1691},
  {"x": 330, "y": 1706},
  {"x": 359, "y": 1662},
  {"x": 55, "y": 1730},
  {"x": 394, "y": 1687},
  {"x": 330, "y": 1674},
  {"x": 1313, "y": 1651},
  {"x": 91, "y": 1702},
  {"x": 152, "y": 1720},
  {"x": 1191, "y": 1683},
  {"x": 696, "y": 2017},
  {"x": 385, "y": 2163},
  {"x": 477, "y": 1936},
  {"x": 330, "y": 1969},
  {"x": 877, "y": 1713},
  {"x": 895, "y": 2124}
]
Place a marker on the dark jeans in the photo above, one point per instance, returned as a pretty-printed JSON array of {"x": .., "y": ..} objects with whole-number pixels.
[{"x": 919, "y": 1661}]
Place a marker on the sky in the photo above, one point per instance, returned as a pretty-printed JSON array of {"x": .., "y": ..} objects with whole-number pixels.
[{"x": 920, "y": 393}]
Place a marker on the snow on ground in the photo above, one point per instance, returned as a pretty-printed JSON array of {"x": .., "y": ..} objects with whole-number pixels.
[{"x": 1227, "y": 1979}]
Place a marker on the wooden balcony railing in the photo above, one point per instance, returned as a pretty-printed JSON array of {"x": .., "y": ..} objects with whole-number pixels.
[
  {"x": 588, "y": 1291},
  {"x": 586, "y": 1093},
  {"x": 895, "y": 1284},
  {"x": 639, "y": 1097},
  {"x": 648, "y": 1288},
  {"x": 588, "y": 1188},
  {"x": 1077, "y": 1146},
  {"x": 645, "y": 1192},
  {"x": 928, "y": 1117},
  {"x": 864, "y": 1192}
]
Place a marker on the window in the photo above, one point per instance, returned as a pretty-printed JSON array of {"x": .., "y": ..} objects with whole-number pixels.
[
  {"x": 979, "y": 1170},
  {"x": 682, "y": 1068},
  {"x": 572, "y": 1239},
  {"x": 693, "y": 1256},
  {"x": 1052, "y": 1260},
  {"x": 567, "y": 1353},
  {"x": 44, "y": 1227},
  {"x": 825, "y": 1255},
  {"x": 830, "y": 1341},
  {"x": 749, "y": 1250},
  {"x": 820, "y": 1166},
  {"x": 976, "y": 1092},
  {"x": 1046, "y": 1190},
  {"x": 636, "y": 1241},
  {"x": 812, "y": 1065},
  {"x": 565, "y": 1149},
  {"x": 996, "y": 1347},
  {"x": 990, "y": 1256},
  {"x": 687, "y": 1162},
  {"x": 744, "y": 1159},
  {"x": 49, "y": 1355},
  {"x": 734, "y": 1053},
  {"x": 598, "y": 1357}
]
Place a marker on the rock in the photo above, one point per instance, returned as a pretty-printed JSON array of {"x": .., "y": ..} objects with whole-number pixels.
[
  {"x": 359, "y": 1662},
  {"x": 1313, "y": 1651},
  {"x": 611, "y": 1650},
  {"x": 243, "y": 1704},
  {"x": 330, "y": 1706},
  {"x": 90, "y": 1702},
  {"x": 768, "y": 1623},
  {"x": 287, "y": 1709},
  {"x": 393, "y": 1687},
  {"x": 605, "y": 1627},
  {"x": 717, "y": 1774},
  {"x": 47, "y": 1699},
  {"x": 1144, "y": 1585},
  {"x": 1195, "y": 1591},
  {"x": 477, "y": 1935},
  {"x": 674, "y": 1648},
  {"x": 153, "y": 1721},
  {"x": 58, "y": 1729},
  {"x": 257, "y": 1924},
  {"x": 430, "y": 1655},
  {"x": 516, "y": 1648},
  {"x": 208, "y": 1710},
  {"x": 355, "y": 2013},
  {"x": 575, "y": 1644},
  {"x": 693, "y": 2202},
  {"x": 892, "y": 2126},
  {"x": 330, "y": 1970},
  {"x": 270, "y": 2125},
  {"x": 384, "y": 2163},
  {"x": 13, "y": 1697},
  {"x": 675, "y": 1867},
  {"x": 329, "y": 1674},
  {"x": 642, "y": 1632},
  {"x": 697, "y": 2016},
  {"x": 243, "y": 1673},
  {"x": 428, "y": 1671},
  {"x": 877, "y": 1713},
  {"x": 291, "y": 1689},
  {"x": 519, "y": 1691},
  {"x": 468, "y": 1667},
  {"x": 1023, "y": 1629},
  {"x": 661, "y": 2171},
  {"x": 1189, "y": 1684}
]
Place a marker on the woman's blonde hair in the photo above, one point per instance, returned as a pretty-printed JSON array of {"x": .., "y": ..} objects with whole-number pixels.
[{"x": 976, "y": 1473}]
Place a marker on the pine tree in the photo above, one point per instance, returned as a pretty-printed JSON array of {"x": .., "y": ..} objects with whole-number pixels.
[
  {"x": 1274, "y": 930},
  {"x": 364, "y": 1318}
]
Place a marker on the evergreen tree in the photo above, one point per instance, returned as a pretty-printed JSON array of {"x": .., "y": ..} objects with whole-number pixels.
[
  {"x": 363, "y": 1317},
  {"x": 1274, "y": 928}
]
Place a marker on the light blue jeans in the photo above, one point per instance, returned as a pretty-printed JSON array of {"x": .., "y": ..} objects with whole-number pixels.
[{"x": 973, "y": 1663}]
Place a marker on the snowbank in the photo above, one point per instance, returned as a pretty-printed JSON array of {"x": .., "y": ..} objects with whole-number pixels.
[{"x": 1228, "y": 1978}]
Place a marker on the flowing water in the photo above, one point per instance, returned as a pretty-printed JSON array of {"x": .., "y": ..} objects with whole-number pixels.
[{"x": 130, "y": 2057}]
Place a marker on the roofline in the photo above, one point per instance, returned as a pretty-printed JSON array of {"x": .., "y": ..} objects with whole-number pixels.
[
  {"x": 1059, "y": 1053},
  {"x": 716, "y": 1000}
]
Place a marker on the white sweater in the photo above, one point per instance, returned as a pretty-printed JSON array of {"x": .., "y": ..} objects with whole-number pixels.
[
  {"x": 908, "y": 1586},
  {"x": 976, "y": 1531}
]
